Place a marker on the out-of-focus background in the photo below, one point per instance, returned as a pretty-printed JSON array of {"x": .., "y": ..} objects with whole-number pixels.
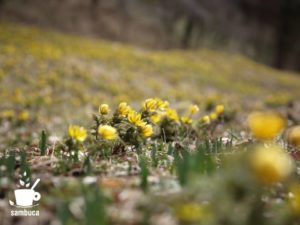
[
  {"x": 58, "y": 57},
  {"x": 267, "y": 31}
]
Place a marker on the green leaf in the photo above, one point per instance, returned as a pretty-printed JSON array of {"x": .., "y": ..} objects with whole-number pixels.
[
  {"x": 95, "y": 206},
  {"x": 87, "y": 166},
  {"x": 183, "y": 167},
  {"x": 43, "y": 143},
  {"x": 144, "y": 174},
  {"x": 154, "y": 155}
]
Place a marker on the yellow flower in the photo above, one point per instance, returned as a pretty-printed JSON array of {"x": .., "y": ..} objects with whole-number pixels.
[
  {"x": 147, "y": 130},
  {"x": 8, "y": 114},
  {"x": 193, "y": 109},
  {"x": 135, "y": 118},
  {"x": 155, "y": 118},
  {"x": 190, "y": 212},
  {"x": 205, "y": 119},
  {"x": 103, "y": 109},
  {"x": 123, "y": 108},
  {"x": 213, "y": 116},
  {"x": 107, "y": 132},
  {"x": 220, "y": 109},
  {"x": 172, "y": 114},
  {"x": 293, "y": 136},
  {"x": 266, "y": 125},
  {"x": 24, "y": 115},
  {"x": 186, "y": 120},
  {"x": 271, "y": 165},
  {"x": 77, "y": 132},
  {"x": 295, "y": 199},
  {"x": 150, "y": 104}
]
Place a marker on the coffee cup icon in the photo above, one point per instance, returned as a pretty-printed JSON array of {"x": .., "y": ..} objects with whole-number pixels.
[{"x": 25, "y": 197}]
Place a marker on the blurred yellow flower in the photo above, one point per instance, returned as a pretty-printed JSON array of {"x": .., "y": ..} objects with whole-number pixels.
[
  {"x": 8, "y": 114},
  {"x": 193, "y": 109},
  {"x": 190, "y": 212},
  {"x": 147, "y": 130},
  {"x": 172, "y": 114},
  {"x": 186, "y": 120},
  {"x": 266, "y": 125},
  {"x": 220, "y": 109},
  {"x": 77, "y": 132},
  {"x": 293, "y": 136},
  {"x": 213, "y": 116},
  {"x": 150, "y": 104},
  {"x": 107, "y": 132},
  {"x": 103, "y": 109},
  {"x": 155, "y": 118},
  {"x": 123, "y": 108},
  {"x": 271, "y": 165},
  {"x": 24, "y": 115},
  {"x": 205, "y": 119},
  {"x": 295, "y": 199}
]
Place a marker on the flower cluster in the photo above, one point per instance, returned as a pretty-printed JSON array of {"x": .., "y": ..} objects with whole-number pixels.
[
  {"x": 15, "y": 115},
  {"x": 156, "y": 119},
  {"x": 213, "y": 116},
  {"x": 127, "y": 124}
]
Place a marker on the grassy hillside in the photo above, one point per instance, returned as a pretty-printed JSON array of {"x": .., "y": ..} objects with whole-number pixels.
[
  {"x": 54, "y": 74},
  {"x": 143, "y": 163}
]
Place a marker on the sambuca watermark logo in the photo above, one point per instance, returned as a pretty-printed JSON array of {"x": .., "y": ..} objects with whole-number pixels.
[{"x": 25, "y": 197}]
